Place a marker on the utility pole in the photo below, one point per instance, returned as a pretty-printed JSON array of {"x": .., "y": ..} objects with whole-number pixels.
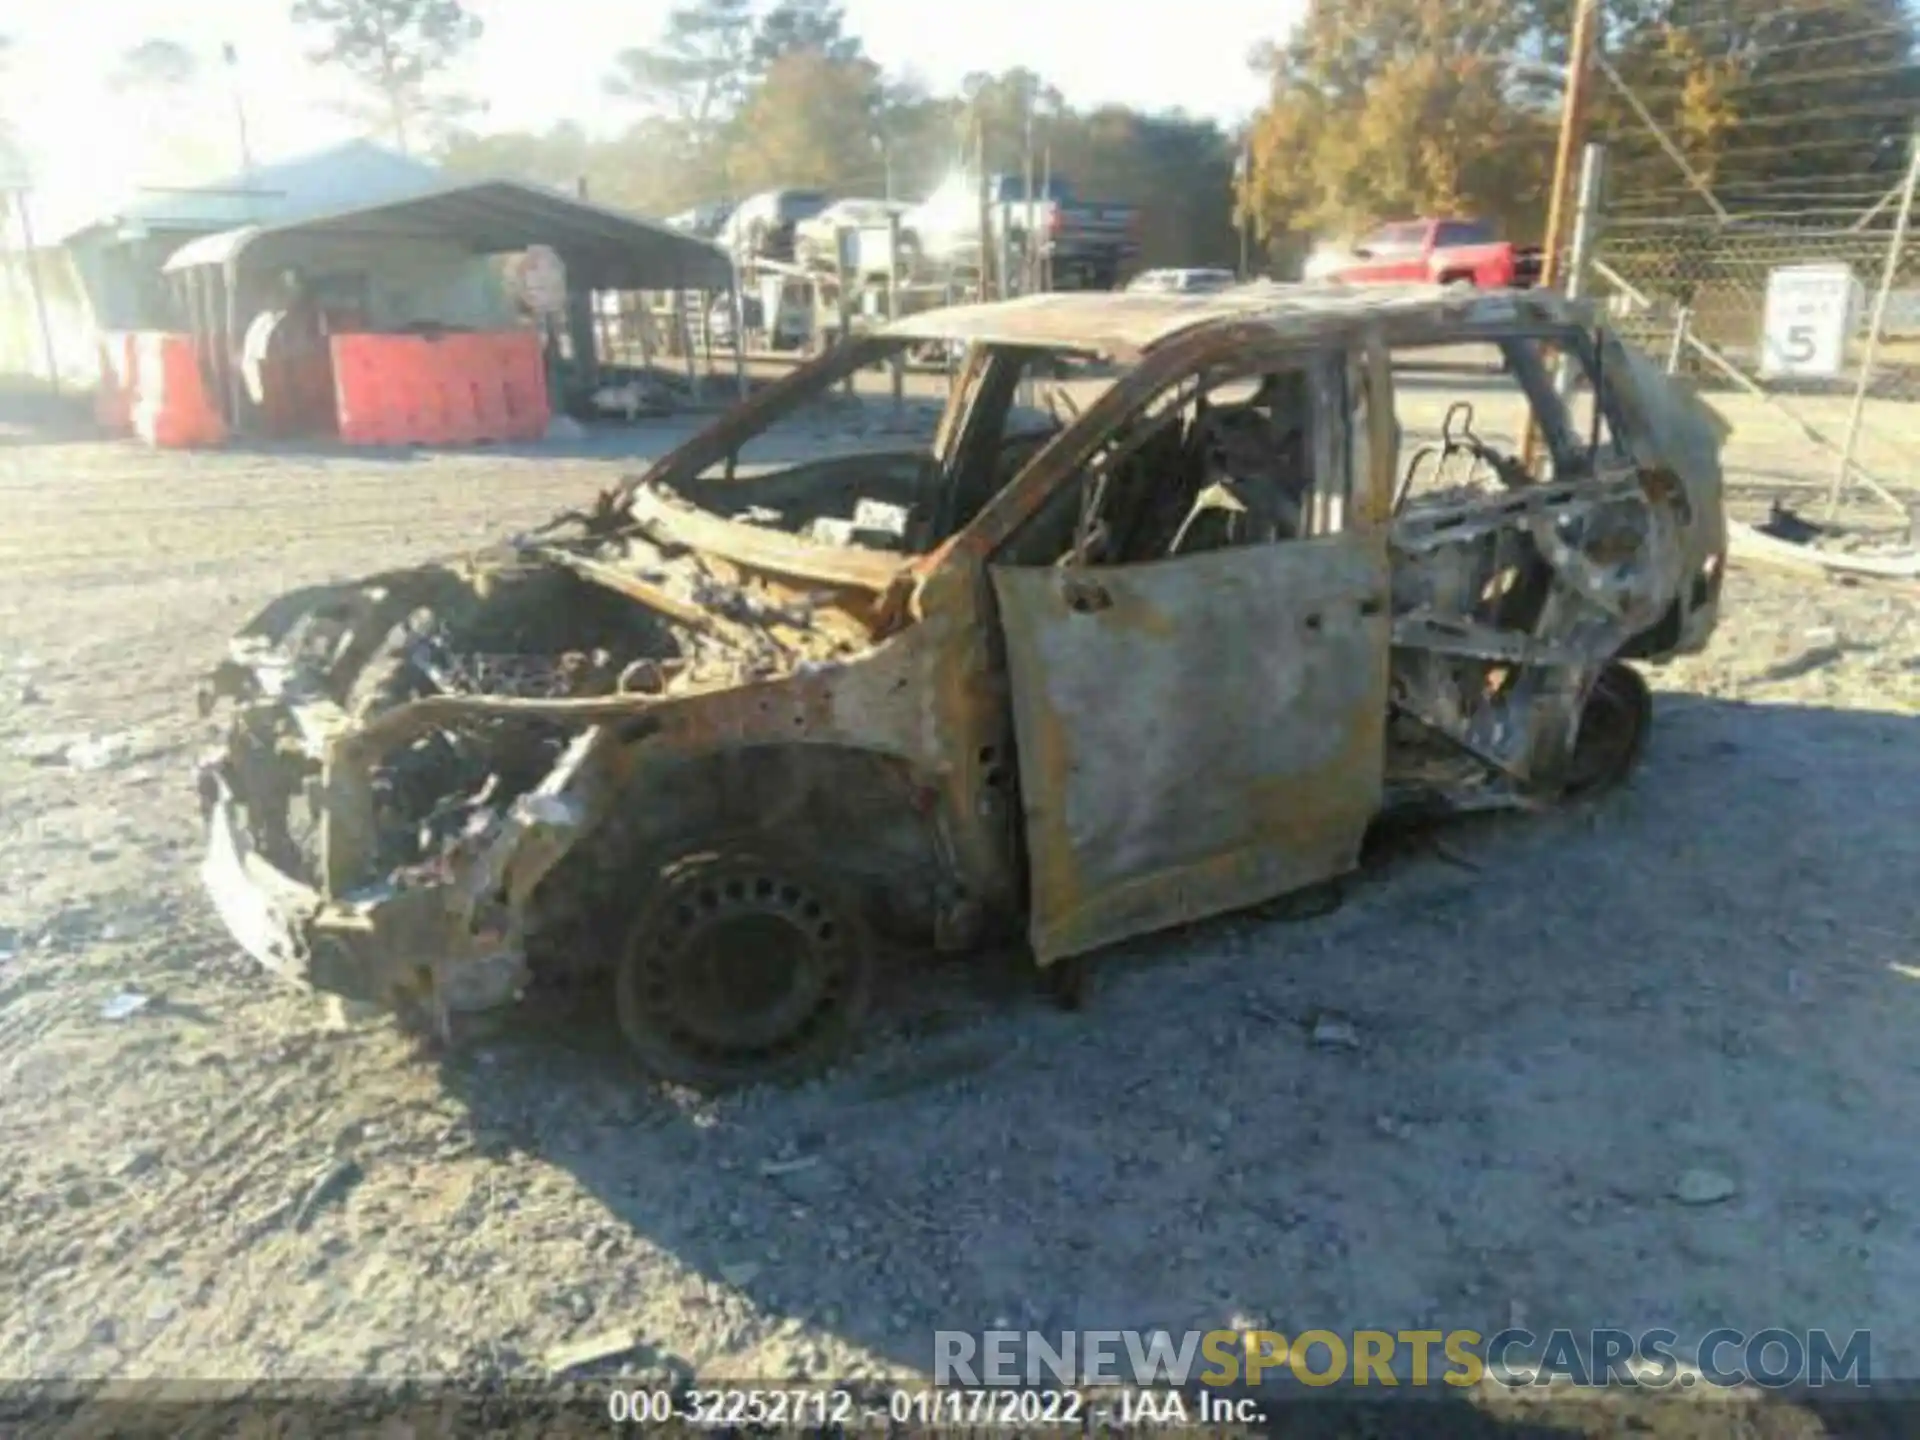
[
  {"x": 1029, "y": 243},
  {"x": 1573, "y": 133},
  {"x": 1243, "y": 172},
  {"x": 1046, "y": 188},
  {"x": 32, "y": 261},
  {"x": 986, "y": 208},
  {"x": 1588, "y": 211},
  {"x": 232, "y": 57},
  {"x": 1588, "y": 214}
]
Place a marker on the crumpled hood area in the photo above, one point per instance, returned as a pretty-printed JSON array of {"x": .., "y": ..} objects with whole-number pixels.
[{"x": 456, "y": 687}]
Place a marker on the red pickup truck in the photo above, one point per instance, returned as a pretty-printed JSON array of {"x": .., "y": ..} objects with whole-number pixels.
[{"x": 1438, "y": 252}]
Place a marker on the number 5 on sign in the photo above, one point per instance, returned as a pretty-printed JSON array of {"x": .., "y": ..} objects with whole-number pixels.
[{"x": 1809, "y": 318}]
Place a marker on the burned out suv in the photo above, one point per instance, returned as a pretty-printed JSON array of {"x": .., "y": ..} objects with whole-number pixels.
[{"x": 731, "y": 740}]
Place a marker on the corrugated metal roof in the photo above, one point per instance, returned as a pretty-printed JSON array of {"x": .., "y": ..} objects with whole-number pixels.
[
  {"x": 1118, "y": 323},
  {"x": 604, "y": 249},
  {"x": 358, "y": 172}
]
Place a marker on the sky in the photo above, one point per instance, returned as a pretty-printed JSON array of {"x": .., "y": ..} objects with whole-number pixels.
[{"x": 541, "y": 61}]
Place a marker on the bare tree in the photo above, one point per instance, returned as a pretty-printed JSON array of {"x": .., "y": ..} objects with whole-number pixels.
[
  {"x": 696, "y": 74},
  {"x": 395, "y": 49}
]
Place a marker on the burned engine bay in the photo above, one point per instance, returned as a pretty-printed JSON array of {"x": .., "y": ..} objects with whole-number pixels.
[{"x": 620, "y": 612}]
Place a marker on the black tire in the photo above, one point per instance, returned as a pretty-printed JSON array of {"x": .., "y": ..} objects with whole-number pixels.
[
  {"x": 741, "y": 970},
  {"x": 1613, "y": 732}
]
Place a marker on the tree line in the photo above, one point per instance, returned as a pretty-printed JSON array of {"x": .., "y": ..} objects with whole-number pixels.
[
  {"x": 737, "y": 97},
  {"x": 1377, "y": 108},
  {"x": 1785, "y": 110}
]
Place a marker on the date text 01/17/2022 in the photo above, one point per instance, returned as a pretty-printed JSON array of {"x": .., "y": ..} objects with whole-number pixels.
[{"x": 942, "y": 1405}]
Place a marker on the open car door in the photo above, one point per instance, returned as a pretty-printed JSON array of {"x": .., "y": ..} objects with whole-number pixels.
[{"x": 1202, "y": 732}]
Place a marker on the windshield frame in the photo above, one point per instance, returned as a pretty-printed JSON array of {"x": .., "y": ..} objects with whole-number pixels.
[
  {"x": 971, "y": 408},
  {"x": 737, "y": 427}
]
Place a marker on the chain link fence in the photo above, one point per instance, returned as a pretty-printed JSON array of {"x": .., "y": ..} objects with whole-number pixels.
[
  {"x": 1760, "y": 172},
  {"x": 1776, "y": 321}
]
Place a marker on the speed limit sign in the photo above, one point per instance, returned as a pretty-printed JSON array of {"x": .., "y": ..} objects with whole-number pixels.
[{"x": 1809, "y": 317}]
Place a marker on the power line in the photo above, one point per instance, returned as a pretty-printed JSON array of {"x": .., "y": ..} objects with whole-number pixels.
[
  {"x": 1740, "y": 85},
  {"x": 1754, "y": 54},
  {"x": 1892, "y": 109},
  {"x": 1752, "y": 24}
]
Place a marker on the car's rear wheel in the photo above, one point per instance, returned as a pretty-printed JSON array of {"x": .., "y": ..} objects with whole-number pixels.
[
  {"x": 740, "y": 969},
  {"x": 1613, "y": 732}
]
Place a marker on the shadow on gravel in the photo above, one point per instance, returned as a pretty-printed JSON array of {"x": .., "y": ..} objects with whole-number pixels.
[
  {"x": 804, "y": 437},
  {"x": 37, "y": 416},
  {"x": 1194, "y": 1149},
  {"x": 30, "y": 420}
]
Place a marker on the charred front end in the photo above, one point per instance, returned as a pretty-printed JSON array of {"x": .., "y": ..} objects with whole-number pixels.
[
  {"x": 404, "y": 759},
  {"x": 402, "y": 762}
]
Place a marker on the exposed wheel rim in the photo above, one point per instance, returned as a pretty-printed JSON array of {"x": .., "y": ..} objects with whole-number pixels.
[
  {"x": 741, "y": 970},
  {"x": 1613, "y": 731}
]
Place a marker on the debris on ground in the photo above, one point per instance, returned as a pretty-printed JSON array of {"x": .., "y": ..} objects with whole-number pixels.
[
  {"x": 125, "y": 1005},
  {"x": 623, "y": 1352},
  {"x": 1784, "y": 523},
  {"x": 1755, "y": 545},
  {"x": 328, "y": 1188},
  {"x": 1704, "y": 1187},
  {"x": 77, "y": 752},
  {"x": 635, "y": 399},
  {"x": 1335, "y": 1032}
]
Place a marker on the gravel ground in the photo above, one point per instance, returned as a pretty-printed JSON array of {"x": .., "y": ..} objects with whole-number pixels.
[{"x": 1552, "y": 1020}]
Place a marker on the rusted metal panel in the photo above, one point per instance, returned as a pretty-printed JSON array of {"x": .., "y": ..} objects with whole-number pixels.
[
  {"x": 777, "y": 553},
  {"x": 1195, "y": 735},
  {"x": 1376, "y": 444},
  {"x": 1123, "y": 325}
]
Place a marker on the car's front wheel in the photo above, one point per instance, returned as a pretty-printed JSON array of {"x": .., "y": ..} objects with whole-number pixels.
[{"x": 742, "y": 969}]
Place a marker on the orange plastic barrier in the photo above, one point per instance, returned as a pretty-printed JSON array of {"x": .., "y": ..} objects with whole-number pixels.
[
  {"x": 447, "y": 390},
  {"x": 113, "y": 396},
  {"x": 171, "y": 406}
]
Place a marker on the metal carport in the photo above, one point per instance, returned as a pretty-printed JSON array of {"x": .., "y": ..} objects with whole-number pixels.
[{"x": 602, "y": 248}]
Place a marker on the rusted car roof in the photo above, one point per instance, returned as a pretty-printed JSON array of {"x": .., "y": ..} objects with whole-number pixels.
[{"x": 1113, "y": 323}]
